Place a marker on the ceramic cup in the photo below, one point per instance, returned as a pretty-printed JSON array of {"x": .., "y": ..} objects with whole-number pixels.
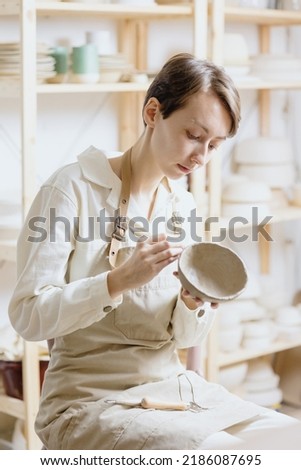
[
  {"x": 85, "y": 63},
  {"x": 60, "y": 55}
]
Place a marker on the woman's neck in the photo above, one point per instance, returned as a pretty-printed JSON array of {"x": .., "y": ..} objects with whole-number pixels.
[{"x": 146, "y": 176}]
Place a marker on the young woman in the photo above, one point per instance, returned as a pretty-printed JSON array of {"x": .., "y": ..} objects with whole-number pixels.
[{"x": 97, "y": 274}]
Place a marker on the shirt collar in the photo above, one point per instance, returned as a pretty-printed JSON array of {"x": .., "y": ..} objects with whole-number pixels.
[{"x": 96, "y": 168}]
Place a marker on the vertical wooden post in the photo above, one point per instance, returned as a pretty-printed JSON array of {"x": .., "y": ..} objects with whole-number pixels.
[
  {"x": 30, "y": 365},
  {"x": 264, "y": 97}
]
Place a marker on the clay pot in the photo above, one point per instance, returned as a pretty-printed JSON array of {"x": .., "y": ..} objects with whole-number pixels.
[{"x": 212, "y": 272}]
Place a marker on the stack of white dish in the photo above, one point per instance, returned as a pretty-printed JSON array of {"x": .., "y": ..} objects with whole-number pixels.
[
  {"x": 247, "y": 302},
  {"x": 234, "y": 314},
  {"x": 113, "y": 67},
  {"x": 258, "y": 328},
  {"x": 288, "y": 322},
  {"x": 10, "y": 62},
  {"x": 230, "y": 328},
  {"x": 276, "y": 67},
  {"x": 242, "y": 195},
  {"x": 259, "y": 334},
  {"x": 266, "y": 159},
  {"x": 236, "y": 55},
  {"x": 232, "y": 377},
  {"x": 261, "y": 384}
]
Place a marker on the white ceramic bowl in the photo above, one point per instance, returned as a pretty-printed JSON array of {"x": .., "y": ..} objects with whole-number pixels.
[
  {"x": 288, "y": 316},
  {"x": 235, "y": 49},
  {"x": 276, "y": 67},
  {"x": 230, "y": 338},
  {"x": 259, "y": 328},
  {"x": 109, "y": 76},
  {"x": 276, "y": 176},
  {"x": 288, "y": 332},
  {"x": 259, "y": 370},
  {"x": 228, "y": 315},
  {"x": 267, "y": 398},
  {"x": 233, "y": 376},
  {"x": 246, "y": 210},
  {"x": 85, "y": 78},
  {"x": 263, "y": 151},
  {"x": 262, "y": 385},
  {"x": 247, "y": 191},
  {"x": 257, "y": 343}
]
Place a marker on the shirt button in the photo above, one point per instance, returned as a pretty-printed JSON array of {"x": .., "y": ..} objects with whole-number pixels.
[{"x": 107, "y": 309}]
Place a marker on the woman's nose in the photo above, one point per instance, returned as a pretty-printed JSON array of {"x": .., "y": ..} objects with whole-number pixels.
[
  {"x": 199, "y": 158},
  {"x": 201, "y": 154}
]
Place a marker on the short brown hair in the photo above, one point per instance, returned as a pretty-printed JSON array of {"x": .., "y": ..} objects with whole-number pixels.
[{"x": 183, "y": 75}]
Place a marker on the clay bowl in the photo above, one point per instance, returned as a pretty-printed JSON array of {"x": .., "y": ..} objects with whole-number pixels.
[{"x": 212, "y": 272}]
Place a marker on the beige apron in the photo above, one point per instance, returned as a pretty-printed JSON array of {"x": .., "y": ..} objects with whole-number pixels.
[{"x": 129, "y": 355}]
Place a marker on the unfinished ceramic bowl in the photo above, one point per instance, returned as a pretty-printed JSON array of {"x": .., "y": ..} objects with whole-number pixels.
[{"x": 212, "y": 272}]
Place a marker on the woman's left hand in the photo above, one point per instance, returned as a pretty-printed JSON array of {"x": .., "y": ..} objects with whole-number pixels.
[{"x": 190, "y": 301}]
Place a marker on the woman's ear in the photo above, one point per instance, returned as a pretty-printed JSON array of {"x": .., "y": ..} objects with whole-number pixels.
[{"x": 151, "y": 111}]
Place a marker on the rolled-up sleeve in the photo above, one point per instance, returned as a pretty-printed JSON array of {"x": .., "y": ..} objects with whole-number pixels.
[
  {"x": 44, "y": 303},
  {"x": 190, "y": 327}
]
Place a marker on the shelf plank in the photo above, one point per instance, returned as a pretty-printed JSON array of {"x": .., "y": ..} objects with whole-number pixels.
[
  {"x": 261, "y": 84},
  {"x": 286, "y": 214},
  {"x": 267, "y": 17},
  {"x": 12, "y": 406},
  {"x": 10, "y": 7},
  {"x": 120, "y": 87},
  {"x": 114, "y": 10},
  {"x": 240, "y": 355},
  {"x": 13, "y": 90}
]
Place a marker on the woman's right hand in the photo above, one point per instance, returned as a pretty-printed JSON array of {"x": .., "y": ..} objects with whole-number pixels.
[{"x": 149, "y": 257}]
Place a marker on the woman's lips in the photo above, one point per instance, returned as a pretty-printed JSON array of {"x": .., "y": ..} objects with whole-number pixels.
[{"x": 184, "y": 169}]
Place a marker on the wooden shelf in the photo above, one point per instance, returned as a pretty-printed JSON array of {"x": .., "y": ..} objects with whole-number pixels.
[
  {"x": 12, "y": 406},
  {"x": 120, "y": 87},
  {"x": 114, "y": 11},
  {"x": 240, "y": 355},
  {"x": 261, "y": 84},
  {"x": 266, "y": 17}
]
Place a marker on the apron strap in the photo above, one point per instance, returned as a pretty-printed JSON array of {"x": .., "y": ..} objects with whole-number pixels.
[{"x": 121, "y": 221}]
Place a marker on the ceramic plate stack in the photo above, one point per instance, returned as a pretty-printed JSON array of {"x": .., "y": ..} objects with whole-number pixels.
[
  {"x": 266, "y": 159},
  {"x": 113, "y": 68},
  {"x": 231, "y": 331},
  {"x": 235, "y": 314},
  {"x": 259, "y": 334},
  {"x": 261, "y": 384},
  {"x": 236, "y": 55},
  {"x": 288, "y": 322},
  {"x": 276, "y": 67},
  {"x": 242, "y": 196},
  {"x": 232, "y": 377},
  {"x": 10, "y": 62}
]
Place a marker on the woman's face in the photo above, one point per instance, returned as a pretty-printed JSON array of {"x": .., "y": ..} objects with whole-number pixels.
[{"x": 187, "y": 139}]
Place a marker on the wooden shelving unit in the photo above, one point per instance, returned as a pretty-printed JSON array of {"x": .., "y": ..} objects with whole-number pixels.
[{"x": 264, "y": 20}]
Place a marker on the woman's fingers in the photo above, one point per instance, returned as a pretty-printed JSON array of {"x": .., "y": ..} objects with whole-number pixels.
[{"x": 186, "y": 293}]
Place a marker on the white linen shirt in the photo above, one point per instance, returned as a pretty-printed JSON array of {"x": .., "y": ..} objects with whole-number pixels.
[{"x": 57, "y": 291}]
